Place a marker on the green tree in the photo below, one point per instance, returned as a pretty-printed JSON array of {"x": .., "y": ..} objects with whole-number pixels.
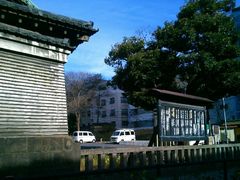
[
  {"x": 80, "y": 87},
  {"x": 196, "y": 54}
]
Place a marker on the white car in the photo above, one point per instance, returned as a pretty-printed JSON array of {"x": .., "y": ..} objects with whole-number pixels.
[
  {"x": 83, "y": 136},
  {"x": 123, "y": 135}
]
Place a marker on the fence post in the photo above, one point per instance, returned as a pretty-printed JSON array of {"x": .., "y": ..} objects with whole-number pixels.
[
  {"x": 82, "y": 163},
  {"x": 130, "y": 160},
  {"x": 169, "y": 156},
  {"x": 101, "y": 161},
  {"x": 194, "y": 155},
  {"x": 123, "y": 160},
  {"x": 200, "y": 158},
  {"x": 188, "y": 155},
  {"x": 180, "y": 156},
  {"x": 112, "y": 160},
  {"x": 142, "y": 158},
  {"x": 237, "y": 152},
  {"x": 89, "y": 162}
]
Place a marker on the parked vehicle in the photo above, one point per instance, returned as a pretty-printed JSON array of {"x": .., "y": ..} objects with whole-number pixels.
[
  {"x": 191, "y": 143},
  {"x": 123, "y": 135},
  {"x": 83, "y": 136}
]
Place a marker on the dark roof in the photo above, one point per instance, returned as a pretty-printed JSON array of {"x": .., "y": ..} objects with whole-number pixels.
[
  {"x": 21, "y": 18},
  {"x": 177, "y": 97},
  {"x": 24, "y": 2}
]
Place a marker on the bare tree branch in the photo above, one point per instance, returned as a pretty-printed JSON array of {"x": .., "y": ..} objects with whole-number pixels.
[{"x": 80, "y": 87}]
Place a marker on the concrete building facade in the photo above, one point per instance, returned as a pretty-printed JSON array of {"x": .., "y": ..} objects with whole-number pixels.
[{"x": 111, "y": 106}]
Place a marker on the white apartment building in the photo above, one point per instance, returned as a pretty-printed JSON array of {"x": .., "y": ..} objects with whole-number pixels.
[{"x": 110, "y": 106}]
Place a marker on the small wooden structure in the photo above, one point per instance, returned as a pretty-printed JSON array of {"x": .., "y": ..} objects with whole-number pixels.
[{"x": 180, "y": 117}]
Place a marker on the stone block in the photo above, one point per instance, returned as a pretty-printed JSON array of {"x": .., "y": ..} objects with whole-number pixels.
[
  {"x": 45, "y": 144},
  {"x": 38, "y": 156},
  {"x": 13, "y": 145}
]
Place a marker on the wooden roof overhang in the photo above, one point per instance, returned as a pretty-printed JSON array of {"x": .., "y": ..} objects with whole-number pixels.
[
  {"x": 176, "y": 97},
  {"x": 34, "y": 24}
]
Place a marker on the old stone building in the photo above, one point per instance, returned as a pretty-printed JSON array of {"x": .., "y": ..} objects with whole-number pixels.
[{"x": 34, "y": 45}]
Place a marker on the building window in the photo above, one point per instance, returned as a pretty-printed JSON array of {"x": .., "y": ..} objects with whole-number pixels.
[
  {"x": 123, "y": 100},
  {"x": 103, "y": 102},
  {"x": 83, "y": 114},
  {"x": 112, "y": 112},
  {"x": 124, "y": 112},
  {"x": 98, "y": 102},
  {"x": 97, "y": 112},
  {"x": 124, "y": 123},
  {"x": 112, "y": 100},
  {"x": 133, "y": 112},
  {"x": 89, "y": 113},
  {"x": 104, "y": 114}
]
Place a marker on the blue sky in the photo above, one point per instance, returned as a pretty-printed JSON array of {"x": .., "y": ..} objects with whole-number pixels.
[{"x": 114, "y": 19}]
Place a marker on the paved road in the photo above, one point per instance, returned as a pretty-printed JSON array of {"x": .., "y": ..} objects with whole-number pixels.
[{"x": 106, "y": 145}]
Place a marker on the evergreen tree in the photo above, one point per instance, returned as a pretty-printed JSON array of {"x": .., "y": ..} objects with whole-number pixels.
[{"x": 196, "y": 54}]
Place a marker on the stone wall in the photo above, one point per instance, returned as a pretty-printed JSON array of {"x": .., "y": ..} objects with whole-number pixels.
[{"x": 38, "y": 156}]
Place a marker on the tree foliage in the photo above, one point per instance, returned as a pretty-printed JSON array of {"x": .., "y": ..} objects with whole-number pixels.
[
  {"x": 196, "y": 54},
  {"x": 80, "y": 87}
]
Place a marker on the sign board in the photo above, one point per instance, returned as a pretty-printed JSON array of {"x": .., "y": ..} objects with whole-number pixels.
[{"x": 181, "y": 122}]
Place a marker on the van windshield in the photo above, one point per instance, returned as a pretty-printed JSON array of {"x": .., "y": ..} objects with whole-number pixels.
[{"x": 116, "y": 133}]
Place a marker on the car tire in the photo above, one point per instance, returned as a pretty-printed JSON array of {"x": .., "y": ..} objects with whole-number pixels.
[
  {"x": 81, "y": 141},
  {"x": 94, "y": 140}
]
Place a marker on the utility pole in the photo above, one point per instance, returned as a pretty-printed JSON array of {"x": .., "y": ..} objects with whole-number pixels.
[
  {"x": 225, "y": 118},
  {"x": 98, "y": 106}
]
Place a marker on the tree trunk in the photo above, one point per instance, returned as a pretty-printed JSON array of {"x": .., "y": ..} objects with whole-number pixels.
[{"x": 77, "y": 114}]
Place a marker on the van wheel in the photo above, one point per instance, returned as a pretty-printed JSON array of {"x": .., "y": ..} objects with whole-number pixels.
[
  {"x": 94, "y": 140},
  {"x": 81, "y": 141}
]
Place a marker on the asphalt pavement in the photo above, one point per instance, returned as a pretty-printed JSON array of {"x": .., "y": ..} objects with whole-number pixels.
[{"x": 107, "y": 145}]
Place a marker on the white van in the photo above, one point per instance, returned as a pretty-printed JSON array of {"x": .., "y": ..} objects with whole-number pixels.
[
  {"x": 83, "y": 136},
  {"x": 123, "y": 135}
]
